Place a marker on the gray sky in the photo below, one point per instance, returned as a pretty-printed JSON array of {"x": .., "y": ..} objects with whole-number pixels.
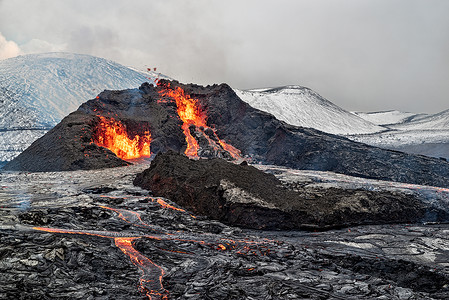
[{"x": 363, "y": 55}]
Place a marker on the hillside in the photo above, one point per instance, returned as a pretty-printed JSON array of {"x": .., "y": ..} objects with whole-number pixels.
[
  {"x": 302, "y": 106},
  {"x": 38, "y": 90}
]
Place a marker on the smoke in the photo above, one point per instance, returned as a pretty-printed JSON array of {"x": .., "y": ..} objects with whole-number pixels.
[
  {"x": 362, "y": 55},
  {"x": 40, "y": 46},
  {"x": 8, "y": 49}
]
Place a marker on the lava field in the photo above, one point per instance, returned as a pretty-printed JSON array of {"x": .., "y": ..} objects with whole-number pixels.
[
  {"x": 182, "y": 191},
  {"x": 94, "y": 235}
]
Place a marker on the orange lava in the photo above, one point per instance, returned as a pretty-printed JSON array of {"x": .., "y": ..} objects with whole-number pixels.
[
  {"x": 191, "y": 113},
  {"x": 112, "y": 134},
  {"x": 152, "y": 288},
  {"x": 152, "y": 274},
  {"x": 166, "y": 205}
]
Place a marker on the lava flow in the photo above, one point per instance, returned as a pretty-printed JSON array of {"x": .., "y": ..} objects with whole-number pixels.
[
  {"x": 149, "y": 270},
  {"x": 151, "y": 273},
  {"x": 112, "y": 134},
  {"x": 191, "y": 113}
]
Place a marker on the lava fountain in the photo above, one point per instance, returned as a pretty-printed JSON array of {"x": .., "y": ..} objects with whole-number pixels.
[{"x": 112, "y": 134}]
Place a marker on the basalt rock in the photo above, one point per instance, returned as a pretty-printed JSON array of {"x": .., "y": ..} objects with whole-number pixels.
[
  {"x": 258, "y": 135},
  {"x": 242, "y": 195},
  {"x": 201, "y": 258}
]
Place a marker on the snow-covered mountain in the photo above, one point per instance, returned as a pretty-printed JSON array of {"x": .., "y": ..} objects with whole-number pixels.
[
  {"x": 302, "y": 106},
  {"x": 436, "y": 121},
  {"x": 38, "y": 90},
  {"x": 405, "y": 131},
  {"x": 390, "y": 117},
  {"x": 418, "y": 134}
]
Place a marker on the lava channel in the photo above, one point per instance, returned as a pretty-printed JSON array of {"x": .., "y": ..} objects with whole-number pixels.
[
  {"x": 191, "y": 113},
  {"x": 151, "y": 273}
]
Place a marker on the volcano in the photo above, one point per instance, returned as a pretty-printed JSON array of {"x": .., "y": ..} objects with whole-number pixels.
[{"x": 210, "y": 121}]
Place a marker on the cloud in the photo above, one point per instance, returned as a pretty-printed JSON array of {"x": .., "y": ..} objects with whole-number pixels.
[
  {"x": 40, "y": 46},
  {"x": 362, "y": 55},
  {"x": 8, "y": 49}
]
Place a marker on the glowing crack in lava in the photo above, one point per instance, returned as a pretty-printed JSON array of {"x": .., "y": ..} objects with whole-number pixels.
[
  {"x": 152, "y": 274},
  {"x": 191, "y": 113},
  {"x": 112, "y": 134}
]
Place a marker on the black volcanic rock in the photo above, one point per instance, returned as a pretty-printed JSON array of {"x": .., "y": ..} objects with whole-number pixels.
[
  {"x": 66, "y": 147},
  {"x": 242, "y": 195},
  {"x": 258, "y": 135},
  {"x": 201, "y": 258}
]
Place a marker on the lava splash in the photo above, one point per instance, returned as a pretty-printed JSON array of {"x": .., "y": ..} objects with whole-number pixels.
[{"x": 112, "y": 134}]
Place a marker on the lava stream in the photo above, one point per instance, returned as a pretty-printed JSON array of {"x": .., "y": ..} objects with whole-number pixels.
[
  {"x": 149, "y": 270},
  {"x": 152, "y": 288},
  {"x": 152, "y": 274},
  {"x": 191, "y": 113}
]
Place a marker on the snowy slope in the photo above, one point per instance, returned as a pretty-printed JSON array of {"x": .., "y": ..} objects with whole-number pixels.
[
  {"x": 419, "y": 134},
  {"x": 436, "y": 121},
  {"x": 301, "y": 106},
  {"x": 38, "y": 90},
  {"x": 388, "y": 117},
  {"x": 409, "y": 132}
]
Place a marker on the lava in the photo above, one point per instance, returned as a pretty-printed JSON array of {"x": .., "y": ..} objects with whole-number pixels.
[
  {"x": 166, "y": 205},
  {"x": 152, "y": 288},
  {"x": 112, "y": 134},
  {"x": 151, "y": 273},
  {"x": 191, "y": 113},
  {"x": 149, "y": 270}
]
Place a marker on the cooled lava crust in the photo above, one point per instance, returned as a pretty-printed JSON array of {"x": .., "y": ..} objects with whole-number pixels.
[{"x": 242, "y": 195}]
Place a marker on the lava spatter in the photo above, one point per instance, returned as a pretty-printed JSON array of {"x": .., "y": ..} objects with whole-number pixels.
[
  {"x": 191, "y": 113},
  {"x": 112, "y": 134}
]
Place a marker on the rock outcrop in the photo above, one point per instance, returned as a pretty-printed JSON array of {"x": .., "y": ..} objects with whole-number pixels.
[{"x": 242, "y": 195}]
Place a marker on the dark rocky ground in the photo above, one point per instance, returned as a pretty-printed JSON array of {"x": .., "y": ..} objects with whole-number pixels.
[
  {"x": 200, "y": 258},
  {"x": 258, "y": 135},
  {"x": 242, "y": 195}
]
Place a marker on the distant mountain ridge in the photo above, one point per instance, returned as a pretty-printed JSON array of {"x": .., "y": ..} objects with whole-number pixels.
[
  {"x": 304, "y": 107},
  {"x": 416, "y": 133},
  {"x": 389, "y": 117},
  {"x": 38, "y": 90}
]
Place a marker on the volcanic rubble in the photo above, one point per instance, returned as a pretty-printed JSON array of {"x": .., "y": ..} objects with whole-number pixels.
[{"x": 62, "y": 234}]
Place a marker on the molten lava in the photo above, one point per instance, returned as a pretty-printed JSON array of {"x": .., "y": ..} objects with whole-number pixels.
[
  {"x": 112, "y": 134},
  {"x": 191, "y": 113},
  {"x": 151, "y": 273}
]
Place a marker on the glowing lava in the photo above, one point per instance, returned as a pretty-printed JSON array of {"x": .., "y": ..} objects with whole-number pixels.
[
  {"x": 191, "y": 113},
  {"x": 152, "y": 274},
  {"x": 149, "y": 270},
  {"x": 112, "y": 134},
  {"x": 152, "y": 288}
]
